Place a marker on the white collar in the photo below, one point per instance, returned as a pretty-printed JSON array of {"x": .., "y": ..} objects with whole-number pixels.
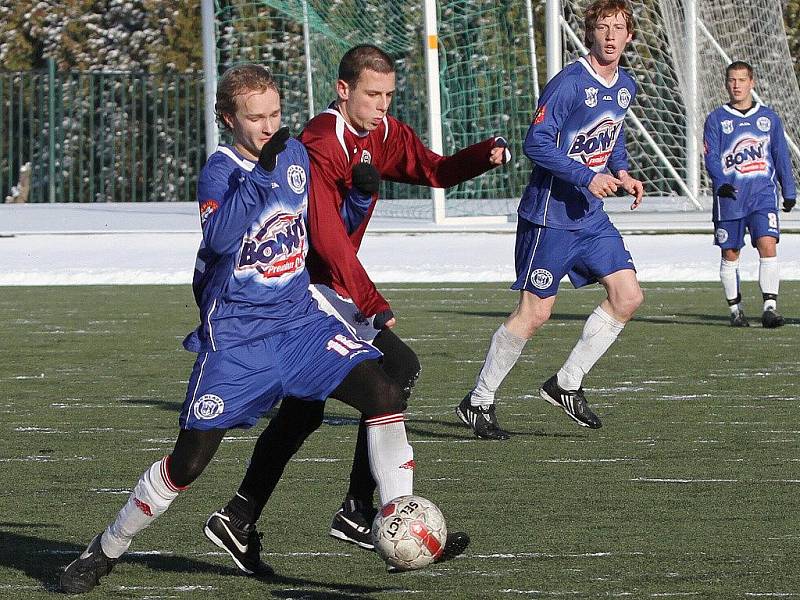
[
  {"x": 753, "y": 110},
  {"x": 595, "y": 74},
  {"x": 333, "y": 109}
]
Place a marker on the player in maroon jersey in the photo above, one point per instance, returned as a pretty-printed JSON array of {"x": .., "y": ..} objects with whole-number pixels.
[{"x": 352, "y": 145}]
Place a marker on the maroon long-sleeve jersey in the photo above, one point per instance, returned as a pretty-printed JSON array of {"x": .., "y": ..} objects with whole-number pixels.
[{"x": 398, "y": 154}]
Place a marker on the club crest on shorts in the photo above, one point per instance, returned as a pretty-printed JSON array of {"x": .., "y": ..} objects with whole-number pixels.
[
  {"x": 764, "y": 124},
  {"x": 296, "y": 176},
  {"x": 591, "y": 97},
  {"x": 722, "y": 235},
  {"x": 541, "y": 279},
  {"x": 208, "y": 406}
]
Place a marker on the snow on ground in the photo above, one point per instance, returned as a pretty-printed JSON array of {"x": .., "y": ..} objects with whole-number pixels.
[{"x": 157, "y": 245}]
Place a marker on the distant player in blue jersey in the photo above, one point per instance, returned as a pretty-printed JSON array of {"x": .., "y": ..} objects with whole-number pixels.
[
  {"x": 262, "y": 336},
  {"x": 746, "y": 156},
  {"x": 577, "y": 146}
]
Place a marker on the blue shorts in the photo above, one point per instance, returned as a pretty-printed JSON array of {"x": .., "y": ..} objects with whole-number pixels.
[
  {"x": 543, "y": 256},
  {"x": 235, "y": 387},
  {"x": 730, "y": 234}
]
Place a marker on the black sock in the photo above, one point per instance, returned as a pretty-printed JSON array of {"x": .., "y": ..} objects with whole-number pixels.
[
  {"x": 242, "y": 510},
  {"x": 362, "y": 485},
  {"x": 286, "y": 432}
]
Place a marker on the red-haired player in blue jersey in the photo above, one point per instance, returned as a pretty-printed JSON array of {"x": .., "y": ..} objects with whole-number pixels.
[
  {"x": 352, "y": 145},
  {"x": 577, "y": 145},
  {"x": 746, "y": 155},
  {"x": 261, "y": 337}
]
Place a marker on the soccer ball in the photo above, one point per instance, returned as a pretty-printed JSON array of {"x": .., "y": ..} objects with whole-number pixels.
[{"x": 409, "y": 533}]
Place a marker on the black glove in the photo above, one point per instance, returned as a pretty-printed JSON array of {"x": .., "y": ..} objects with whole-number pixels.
[
  {"x": 383, "y": 317},
  {"x": 366, "y": 178},
  {"x": 726, "y": 190},
  {"x": 788, "y": 204},
  {"x": 501, "y": 142},
  {"x": 268, "y": 158}
]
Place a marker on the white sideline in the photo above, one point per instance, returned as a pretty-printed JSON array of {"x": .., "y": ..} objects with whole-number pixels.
[{"x": 140, "y": 243}]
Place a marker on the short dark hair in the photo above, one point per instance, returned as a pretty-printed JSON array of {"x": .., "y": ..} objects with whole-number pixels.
[
  {"x": 739, "y": 65},
  {"x": 600, "y": 9},
  {"x": 362, "y": 57},
  {"x": 238, "y": 80}
]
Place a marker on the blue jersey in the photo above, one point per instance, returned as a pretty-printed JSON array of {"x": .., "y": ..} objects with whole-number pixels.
[
  {"x": 576, "y": 133},
  {"x": 749, "y": 152},
  {"x": 250, "y": 279}
]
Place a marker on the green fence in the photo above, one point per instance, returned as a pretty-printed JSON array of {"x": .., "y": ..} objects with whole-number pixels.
[{"x": 102, "y": 136}]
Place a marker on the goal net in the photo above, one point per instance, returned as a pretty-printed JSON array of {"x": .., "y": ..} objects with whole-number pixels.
[
  {"x": 486, "y": 88},
  {"x": 749, "y": 31},
  {"x": 487, "y": 78}
]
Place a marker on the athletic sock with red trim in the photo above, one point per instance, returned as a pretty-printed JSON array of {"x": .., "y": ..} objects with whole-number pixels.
[
  {"x": 151, "y": 497},
  {"x": 391, "y": 458}
]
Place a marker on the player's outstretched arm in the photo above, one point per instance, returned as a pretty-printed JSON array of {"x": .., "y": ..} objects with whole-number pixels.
[{"x": 407, "y": 159}]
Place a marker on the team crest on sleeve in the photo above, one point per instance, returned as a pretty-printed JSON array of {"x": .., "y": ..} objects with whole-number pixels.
[
  {"x": 764, "y": 124},
  {"x": 208, "y": 406},
  {"x": 591, "y": 97},
  {"x": 727, "y": 126},
  {"x": 207, "y": 208},
  {"x": 366, "y": 157},
  {"x": 296, "y": 176},
  {"x": 623, "y": 98},
  {"x": 539, "y": 116},
  {"x": 541, "y": 279}
]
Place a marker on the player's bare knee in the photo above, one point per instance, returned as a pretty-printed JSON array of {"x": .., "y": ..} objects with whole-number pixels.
[
  {"x": 534, "y": 319},
  {"x": 637, "y": 300},
  {"x": 528, "y": 318},
  {"x": 624, "y": 306}
]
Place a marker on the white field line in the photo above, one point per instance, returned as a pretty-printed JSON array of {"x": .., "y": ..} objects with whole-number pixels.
[
  {"x": 177, "y": 588},
  {"x": 42, "y": 458},
  {"x": 680, "y": 480},
  {"x": 509, "y": 555}
]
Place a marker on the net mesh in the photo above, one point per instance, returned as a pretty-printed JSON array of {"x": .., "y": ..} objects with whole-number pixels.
[
  {"x": 486, "y": 82},
  {"x": 728, "y": 31},
  {"x": 486, "y": 76}
]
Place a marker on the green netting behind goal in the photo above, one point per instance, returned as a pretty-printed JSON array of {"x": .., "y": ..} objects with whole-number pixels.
[
  {"x": 486, "y": 82},
  {"x": 487, "y": 85}
]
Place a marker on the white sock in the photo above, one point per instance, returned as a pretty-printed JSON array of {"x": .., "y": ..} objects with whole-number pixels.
[
  {"x": 729, "y": 276},
  {"x": 391, "y": 458},
  {"x": 769, "y": 279},
  {"x": 151, "y": 497},
  {"x": 599, "y": 332},
  {"x": 504, "y": 351}
]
